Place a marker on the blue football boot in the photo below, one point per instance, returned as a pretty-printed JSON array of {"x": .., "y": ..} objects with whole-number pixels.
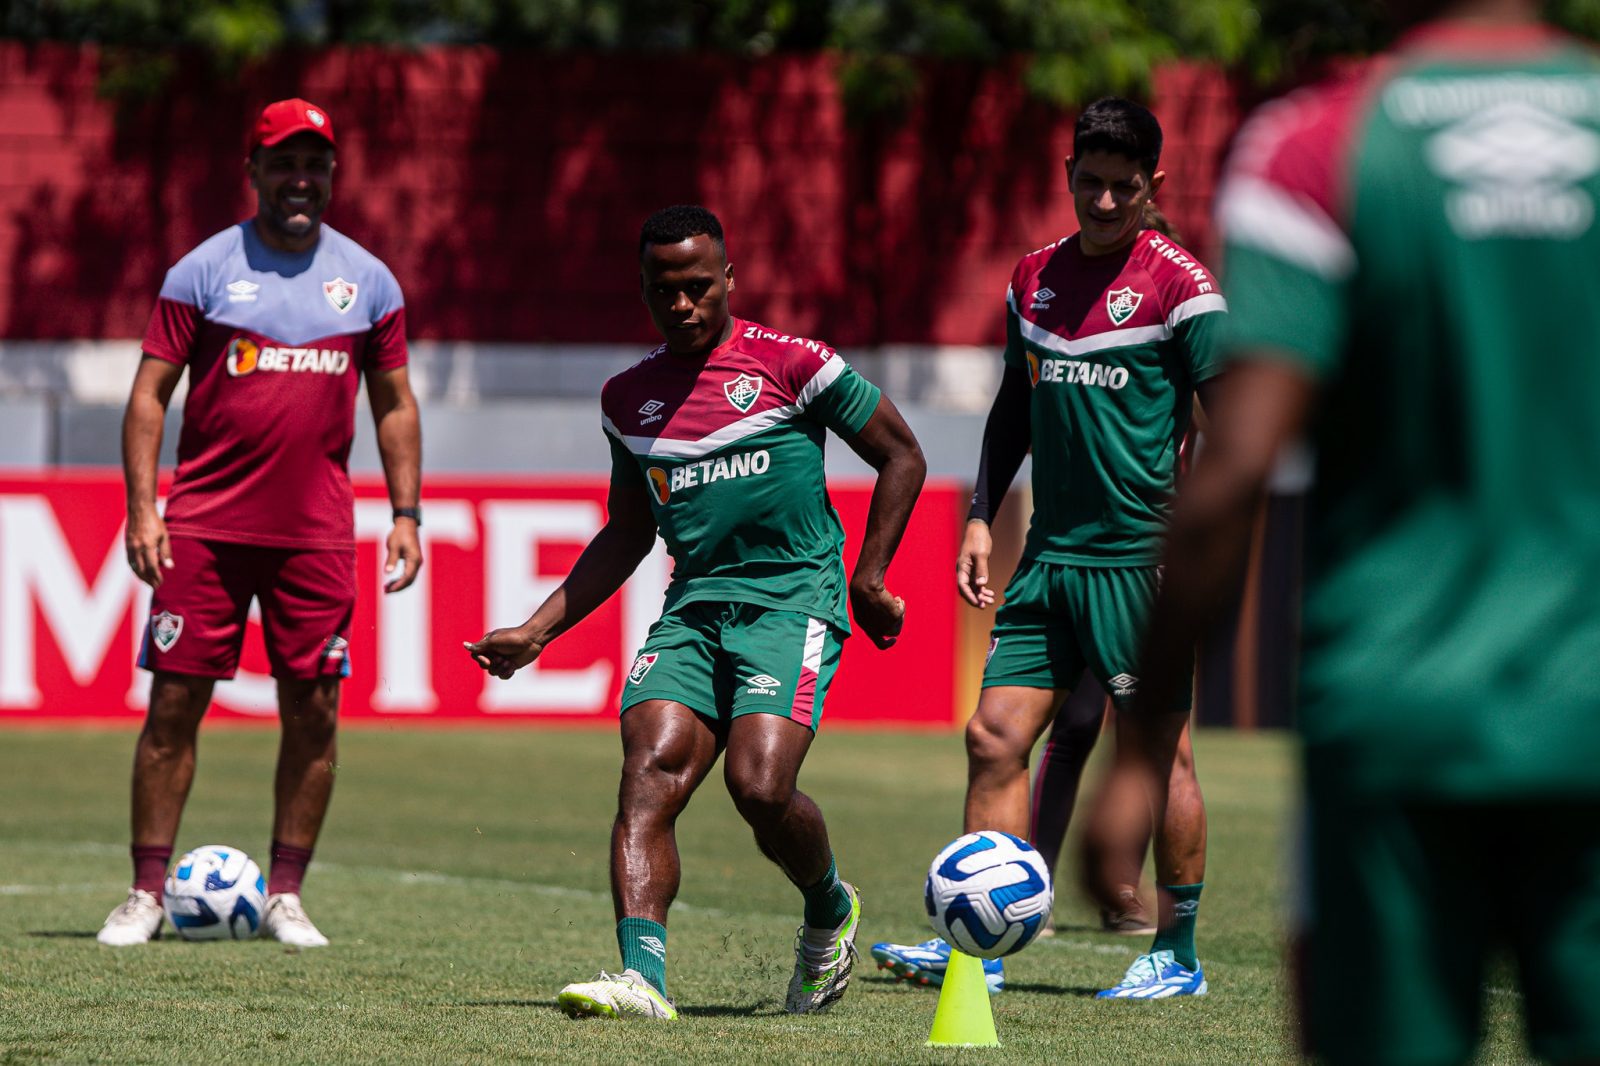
[
  {"x": 925, "y": 963},
  {"x": 1157, "y": 976}
]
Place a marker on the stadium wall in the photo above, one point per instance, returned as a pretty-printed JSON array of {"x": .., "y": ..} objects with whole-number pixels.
[{"x": 506, "y": 188}]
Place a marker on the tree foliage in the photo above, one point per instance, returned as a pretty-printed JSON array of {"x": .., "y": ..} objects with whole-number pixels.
[{"x": 1071, "y": 49}]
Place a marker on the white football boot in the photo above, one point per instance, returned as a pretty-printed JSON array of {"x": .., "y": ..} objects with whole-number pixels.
[
  {"x": 285, "y": 920},
  {"x": 823, "y": 962},
  {"x": 625, "y": 996},
  {"x": 137, "y": 920}
]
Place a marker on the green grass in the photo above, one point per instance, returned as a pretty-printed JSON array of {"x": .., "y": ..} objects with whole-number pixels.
[{"x": 462, "y": 878}]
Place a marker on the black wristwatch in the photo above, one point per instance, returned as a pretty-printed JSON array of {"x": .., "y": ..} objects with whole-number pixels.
[{"x": 413, "y": 513}]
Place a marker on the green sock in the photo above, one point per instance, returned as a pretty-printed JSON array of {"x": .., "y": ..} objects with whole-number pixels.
[
  {"x": 827, "y": 901},
  {"x": 1178, "y": 937},
  {"x": 644, "y": 948}
]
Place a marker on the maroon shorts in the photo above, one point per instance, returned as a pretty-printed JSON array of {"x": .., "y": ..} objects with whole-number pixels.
[{"x": 197, "y": 616}]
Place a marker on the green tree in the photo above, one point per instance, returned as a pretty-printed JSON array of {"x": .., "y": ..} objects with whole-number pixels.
[{"x": 1068, "y": 50}]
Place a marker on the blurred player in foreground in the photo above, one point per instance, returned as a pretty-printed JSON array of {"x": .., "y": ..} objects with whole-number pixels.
[
  {"x": 717, "y": 444},
  {"x": 1414, "y": 263},
  {"x": 1109, "y": 335},
  {"x": 278, "y": 320}
]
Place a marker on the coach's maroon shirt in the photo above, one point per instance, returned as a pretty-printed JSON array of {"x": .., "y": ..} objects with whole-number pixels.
[{"x": 275, "y": 343}]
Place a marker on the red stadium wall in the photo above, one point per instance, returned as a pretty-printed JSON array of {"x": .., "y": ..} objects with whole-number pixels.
[
  {"x": 506, "y": 189},
  {"x": 71, "y": 611}
]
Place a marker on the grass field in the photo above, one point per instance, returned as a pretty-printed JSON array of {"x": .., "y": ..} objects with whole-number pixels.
[{"x": 462, "y": 879}]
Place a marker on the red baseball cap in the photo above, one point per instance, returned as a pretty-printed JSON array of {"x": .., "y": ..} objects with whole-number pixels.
[{"x": 283, "y": 119}]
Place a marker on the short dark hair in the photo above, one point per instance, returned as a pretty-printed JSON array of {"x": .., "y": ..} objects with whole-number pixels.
[
  {"x": 678, "y": 223},
  {"x": 1120, "y": 126}
]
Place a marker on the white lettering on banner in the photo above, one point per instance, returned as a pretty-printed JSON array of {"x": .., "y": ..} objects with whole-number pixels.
[
  {"x": 138, "y": 697},
  {"x": 642, "y": 597},
  {"x": 43, "y": 587},
  {"x": 37, "y": 567},
  {"x": 405, "y": 651},
  {"x": 513, "y": 531}
]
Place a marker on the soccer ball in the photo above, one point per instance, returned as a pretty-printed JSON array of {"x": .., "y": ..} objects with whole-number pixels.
[
  {"x": 215, "y": 893},
  {"x": 988, "y": 894}
]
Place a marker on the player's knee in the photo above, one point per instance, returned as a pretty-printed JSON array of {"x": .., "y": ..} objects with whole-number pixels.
[
  {"x": 311, "y": 720},
  {"x": 653, "y": 784},
  {"x": 165, "y": 740},
  {"x": 760, "y": 797},
  {"x": 176, "y": 706},
  {"x": 990, "y": 744}
]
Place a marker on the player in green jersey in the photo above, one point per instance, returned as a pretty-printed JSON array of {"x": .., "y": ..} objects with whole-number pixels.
[
  {"x": 1414, "y": 259},
  {"x": 717, "y": 445},
  {"x": 1110, "y": 333}
]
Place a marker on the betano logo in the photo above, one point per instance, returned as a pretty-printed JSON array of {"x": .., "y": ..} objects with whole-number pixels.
[
  {"x": 658, "y": 484},
  {"x": 690, "y": 475},
  {"x": 1075, "y": 372},
  {"x": 245, "y": 357},
  {"x": 242, "y": 355}
]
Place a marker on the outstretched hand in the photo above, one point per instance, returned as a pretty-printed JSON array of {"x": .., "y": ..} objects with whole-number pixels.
[
  {"x": 502, "y": 652},
  {"x": 879, "y": 613}
]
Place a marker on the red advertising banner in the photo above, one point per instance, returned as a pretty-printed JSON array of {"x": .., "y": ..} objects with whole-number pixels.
[{"x": 72, "y": 612}]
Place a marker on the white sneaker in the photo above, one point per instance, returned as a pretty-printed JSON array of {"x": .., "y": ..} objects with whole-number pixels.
[
  {"x": 823, "y": 962},
  {"x": 137, "y": 920},
  {"x": 623, "y": 996},
  {"x": 285, "y": 920}
]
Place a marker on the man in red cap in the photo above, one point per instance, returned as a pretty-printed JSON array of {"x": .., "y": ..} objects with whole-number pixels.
[{"x": 278, "y": 320}]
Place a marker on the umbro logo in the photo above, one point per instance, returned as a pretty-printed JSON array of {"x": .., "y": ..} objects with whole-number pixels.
[
  {"x": 1123, "y": 684},
  {"x": 1041, "y": 299},
  {"x": 763, "y": 685},
  {"x": 242, "y": 291},
  {"x": 650, "y": 411},
  {"x": 654, "y": 946}
]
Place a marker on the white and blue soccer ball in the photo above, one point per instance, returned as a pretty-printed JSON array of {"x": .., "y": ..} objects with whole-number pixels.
[
  {"x": 215, "y": 893},
  {"x": 988, "y": 894}
]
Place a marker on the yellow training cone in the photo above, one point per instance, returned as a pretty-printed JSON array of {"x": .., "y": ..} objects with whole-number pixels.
[{"x": 963, "y": 1018}]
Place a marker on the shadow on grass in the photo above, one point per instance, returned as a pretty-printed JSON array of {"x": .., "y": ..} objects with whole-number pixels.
[
  {"x": 63, "y": 934},
  {"x": 1086, "y": 991},
  {"x": 728, "y": 1010},
  {"x": 711, "y": 1011}
]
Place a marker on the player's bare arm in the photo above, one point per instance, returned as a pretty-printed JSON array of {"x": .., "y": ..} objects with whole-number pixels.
[
  {"x": 399, "y": 430},
  {"x": 1260, "y": 406},
  {"x": 608, "y": 560},
  {"x": 146, "y": 537},
  {"x": 886, "y": 444},
  {"x": 1006, "y": 437}
]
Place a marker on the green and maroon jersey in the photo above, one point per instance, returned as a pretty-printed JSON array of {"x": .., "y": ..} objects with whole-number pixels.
[
  {"x": 1420, "y": 238},
  {"x": 729, "y": 448},
  {"x": 1113, "y": 346}
]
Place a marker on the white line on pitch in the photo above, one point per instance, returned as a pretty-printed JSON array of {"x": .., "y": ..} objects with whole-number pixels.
[{"x": 50, "y": 890}]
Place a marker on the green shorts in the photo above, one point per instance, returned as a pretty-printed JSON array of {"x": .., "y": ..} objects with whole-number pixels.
[
  {"x": 722, "y": 660},
  {"x": 1059, "y": 620},
  {"x": 1405, "y": 902}
]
